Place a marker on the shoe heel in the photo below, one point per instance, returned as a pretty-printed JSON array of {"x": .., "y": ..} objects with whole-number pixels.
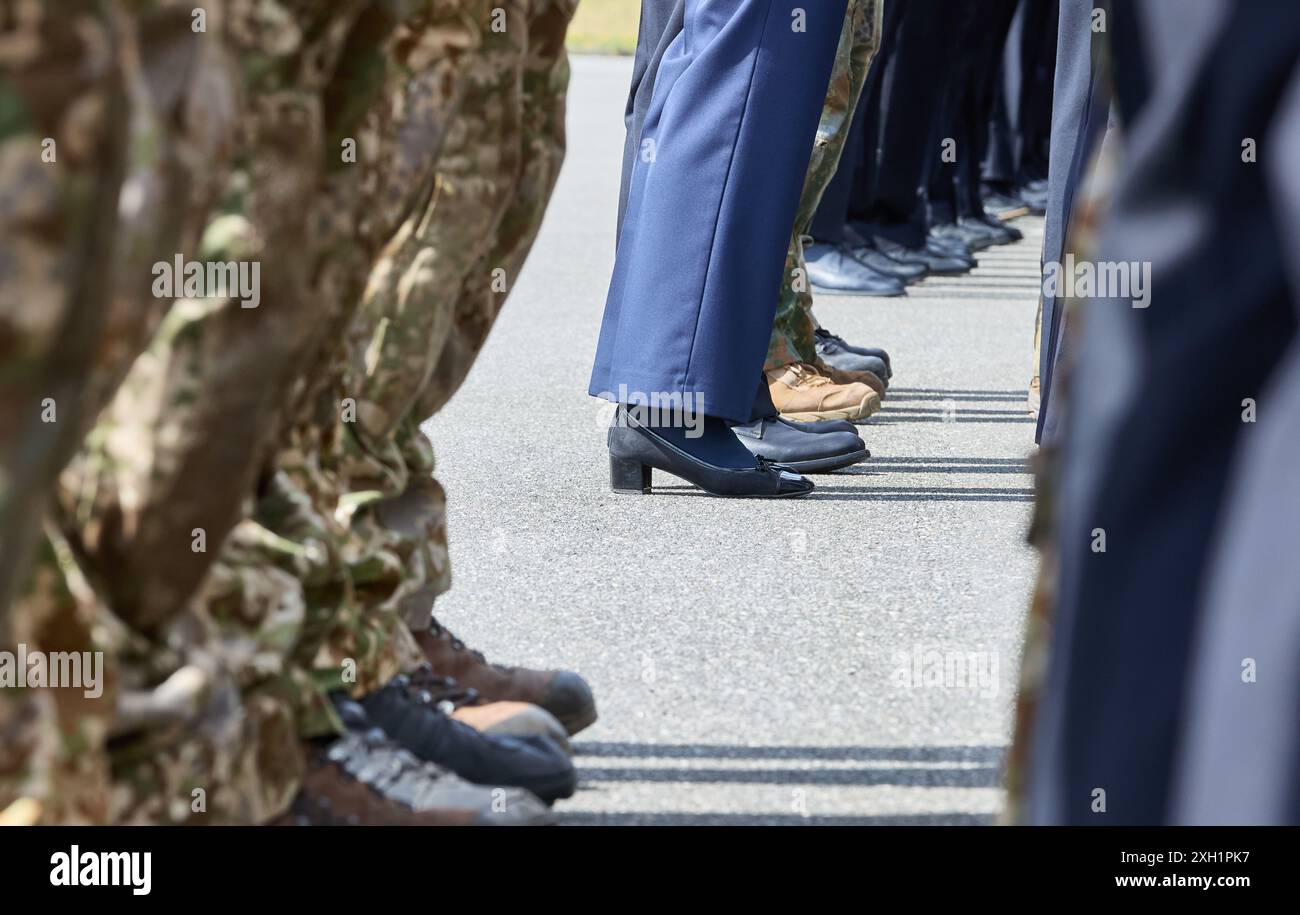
[{"x": 628, "y": 475}]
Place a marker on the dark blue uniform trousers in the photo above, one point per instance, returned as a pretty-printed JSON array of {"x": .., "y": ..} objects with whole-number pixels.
[
  {"x": 723, "y": 153},
  {"x": 1145, "y": 696}
]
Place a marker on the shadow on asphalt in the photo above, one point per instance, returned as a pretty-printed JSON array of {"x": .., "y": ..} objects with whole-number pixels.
[
  {"x": 876, "y": 466},
  {"x": 973, "y": 393},
  {"x": 933, "y": 768},
  {"x": 910, "y": 777},
  {"x": 987, "y": 755},
  {"x": 825, "y": 493},
  {"x": 758, "y": 819},
  {"x": 882, "y": 418}
]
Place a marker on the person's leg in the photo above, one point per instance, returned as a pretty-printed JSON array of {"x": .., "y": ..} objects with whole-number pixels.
[
  {"x": 953, "y": 140},
  {"x": 977, "y": 109},
  {"x": 891, "y": 225},
  {"x": 1146, "y": 467},
  {"x": 839, "y": 258},
  {"x": 733, "y": 116},
  {"x": 858, "y": 158},
  {"x": 998, "y": 171},
  {"x": 1081, "y": 111},
  {"x": 77, "y": 311},
  {"x": 1240, "y": 751},
  {"x": 792, "y": 331},
  {"x": 1039, "y": 63},
  {"x": 961, "y": 217},
  {"x": 911, "y": 93},
  {"x": 661, "y": 22}
]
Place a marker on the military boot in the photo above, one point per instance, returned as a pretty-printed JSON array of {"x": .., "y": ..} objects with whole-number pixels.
[
  {"x": 852, "y": 376},
  {"x": 504, "y": 719},
  {"x": 831, "y": 345},
  {"x": 416, "y": 722},
  {"x": 365, "y": 779},
  {"x": 801, "y": 393},
  {"x": 561, "y": 692}
]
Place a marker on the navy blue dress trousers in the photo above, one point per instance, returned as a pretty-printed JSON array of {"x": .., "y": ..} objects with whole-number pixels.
[
  {"x": 722, "y": 158},
  {"x": 1144, "y": 697}
]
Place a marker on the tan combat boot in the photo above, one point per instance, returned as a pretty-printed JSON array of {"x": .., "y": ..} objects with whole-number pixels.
[
  {"x": 843, "y": 376},
  {"x": 803, "y": 394}
]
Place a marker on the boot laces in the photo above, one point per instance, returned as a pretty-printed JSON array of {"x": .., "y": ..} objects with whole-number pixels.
[
  {"x": 436, "y": 629},
  {"x": 808, "y": 375}
]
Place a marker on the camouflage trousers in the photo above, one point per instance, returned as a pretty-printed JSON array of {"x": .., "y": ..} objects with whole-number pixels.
[
  {"x": 253, "y": 519},
  {"x": 792, "y": 331},
  {"x": 111, "y": 152}
]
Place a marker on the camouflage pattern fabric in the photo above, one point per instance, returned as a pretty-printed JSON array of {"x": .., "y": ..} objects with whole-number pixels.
[
  {"x": 254, "y": 519},
  {"x": 792, "y": 331},
  {"x": 111, "y": 149}
]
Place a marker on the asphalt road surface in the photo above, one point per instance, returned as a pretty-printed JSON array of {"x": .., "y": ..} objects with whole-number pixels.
[{"x": 845, "y": 658}]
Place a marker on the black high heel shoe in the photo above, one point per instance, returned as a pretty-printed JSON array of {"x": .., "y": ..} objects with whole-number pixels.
[{"x": 635, "y": 450}]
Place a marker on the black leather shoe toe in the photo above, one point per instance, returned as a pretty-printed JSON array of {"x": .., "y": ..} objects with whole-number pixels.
[
  {"x": 833, "y": 268},
  {"x": 828, "y": 342},
  {"x": 968, "y": 240},
  {"x": 1011, "y": 233},
  {"x": 853, "y": 362},
  {"x": 908, "y": 273},
  {"x": 1004, "y": 206},
  {"x": 807, "y": 452},
  {"x": 948, "y": 246},
  {"x": 995, "y": 233},
  {"x": 949, "y": 257},
  {"x": 938, "y": 259}
]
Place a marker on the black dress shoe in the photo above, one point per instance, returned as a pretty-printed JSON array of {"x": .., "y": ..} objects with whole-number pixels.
[
  {"x": 1016, "y": 234},
  {"x": 998, "y": 226},
  {"x": 949, "y": 244},
  {"x": 1034, "y": 194},
  {"x": 950, "y": 247},
  {"x": 413, "y": 720},
  {"x": 634, "y": 450},
  {"x": 994, "y": 231},
  {"x": 932, "y": 258},
  {"x": 1004, "y": 206},
  {"x": 847, "y": 361},
  {"x": 907, "y": 273},
  {"x": 833, "y": 268},
  {"x": 864, "y": 253},
  {"x": 832, "y": 344},
  {"x": 971, "y": 239},
  {"x": 809, "y": 452}
]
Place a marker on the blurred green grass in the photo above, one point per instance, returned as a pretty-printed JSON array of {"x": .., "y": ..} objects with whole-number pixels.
[{"x": 605, "y": 27}]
